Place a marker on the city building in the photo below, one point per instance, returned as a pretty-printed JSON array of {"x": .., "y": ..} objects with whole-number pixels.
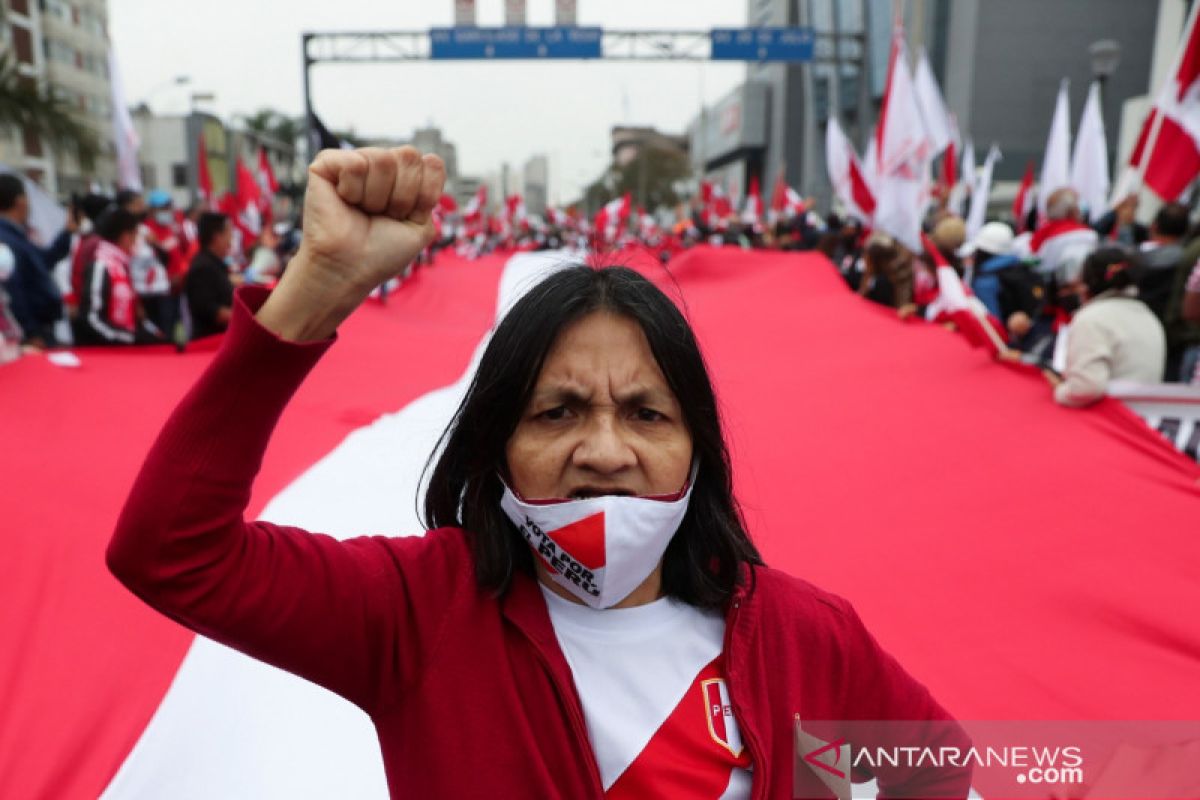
[
  {"x": 537, "y": 185},
  {"x": 999, "y": 65},
  {"x": 170, "y": 153},
  {"x": 64, "y": 47}
]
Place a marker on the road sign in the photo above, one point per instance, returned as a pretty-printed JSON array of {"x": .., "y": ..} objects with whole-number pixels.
[
  {"x": 762, "y": 44},
  {"x": 514, "y": 42}
]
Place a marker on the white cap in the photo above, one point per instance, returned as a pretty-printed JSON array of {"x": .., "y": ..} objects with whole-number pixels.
[{"x": 995, "y": 238}]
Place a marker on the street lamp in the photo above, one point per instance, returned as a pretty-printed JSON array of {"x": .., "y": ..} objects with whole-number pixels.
[
  {"x": 178, "y": 80},
  {"x": 1105, "y": 55}
]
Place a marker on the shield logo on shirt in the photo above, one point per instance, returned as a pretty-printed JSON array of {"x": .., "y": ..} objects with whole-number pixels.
[{"x": 721, "y": 725}]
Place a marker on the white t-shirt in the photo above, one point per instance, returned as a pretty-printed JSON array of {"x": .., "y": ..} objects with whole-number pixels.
[{"x": 652, "y": 682}]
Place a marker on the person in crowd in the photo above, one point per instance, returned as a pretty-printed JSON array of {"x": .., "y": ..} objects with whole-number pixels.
[
  {"x": 35, "y": 299},
  {"x": 85, "y": 211},
  {"x": 264, "y": 266},
  {"x": 1063, "y": 241},
  {"x": 110, "y": 311},
  {"x": 1162, "y": 258},
  {"x": 1114, "y": 335},
  {"x": 991, "y": 256},
  {"x": 1189, "y": 371},
  {"x": 208, "y": 287},
  {"x": 589, "y": 438},
  {"x": 153, "y": 259},
  {"x": 1120, "y": 226},
  {"x": 11, "y": 334}
]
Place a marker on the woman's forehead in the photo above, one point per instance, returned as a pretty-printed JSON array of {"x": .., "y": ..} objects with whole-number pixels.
[{"x": 602, "y": 343}]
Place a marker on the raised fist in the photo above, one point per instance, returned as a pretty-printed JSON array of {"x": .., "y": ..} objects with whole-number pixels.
[{"x": 367, "y": 215}]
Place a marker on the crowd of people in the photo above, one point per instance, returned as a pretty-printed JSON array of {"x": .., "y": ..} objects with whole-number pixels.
[
  {"x": 126, "y": 269},
  {"x": 1091, "y": 304},
  {"x": 1088, "y": 303}
]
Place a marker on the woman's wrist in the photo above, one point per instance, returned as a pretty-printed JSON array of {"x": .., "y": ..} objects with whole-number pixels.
[{"x": 308, "y": 305}]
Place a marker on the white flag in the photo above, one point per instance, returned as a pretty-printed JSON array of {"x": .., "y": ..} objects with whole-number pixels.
[
  {"x": 125, "y": 137},
  {"x": 966, "y": 181},
  {"x": 904, "y": 152},
  {"x": 981, "y": 189},
  {"x": 846, "y": 175},
  {"x": 1089, "y": 162},
  {"x": 1056, "y": 162},
  {"x": 938, "y": 124}
]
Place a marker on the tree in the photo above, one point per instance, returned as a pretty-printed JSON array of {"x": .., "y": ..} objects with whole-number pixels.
[
  {"x": 39, "y": 111},
  {"x": 653, "y": 177}
]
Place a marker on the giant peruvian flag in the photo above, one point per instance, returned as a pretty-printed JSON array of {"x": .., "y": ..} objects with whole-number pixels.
[
  {"x": 992, "y": 604},
  {"x": 1168, "y": 148}
]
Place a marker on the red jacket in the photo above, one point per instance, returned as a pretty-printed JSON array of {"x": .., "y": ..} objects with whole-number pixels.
[{"x": 470, "y": 694}]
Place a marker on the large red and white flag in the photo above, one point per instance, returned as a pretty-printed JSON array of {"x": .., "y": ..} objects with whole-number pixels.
[
  {"x": 904, "y": 153},
  {"x": 1089, "y": 161},
  {"x": 1056, "y": 161},
  {"x": 102, "y": 697},
  {"x": 846, "y": 174},
  {"x": 1167, "y": 153}
]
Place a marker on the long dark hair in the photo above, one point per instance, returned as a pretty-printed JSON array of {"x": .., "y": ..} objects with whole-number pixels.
[{"x": 703, "y": 561}]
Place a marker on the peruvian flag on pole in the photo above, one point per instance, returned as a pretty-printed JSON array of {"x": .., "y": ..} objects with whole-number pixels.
[
  {"x": 752, "y": 213},
  {"x": 266, "y": 174},
  {"x": 249, "y": 200},
  {"x": 903, "y": 153},
  {"x": 1023, "y": 202},
  {"x": 1167, "y": 154},
  {"x": 1056, "y": 163},
  {"x": 474, "y": 210},
  {"x": 846, "y": 174},
  {"x": 204, "y": 184}
]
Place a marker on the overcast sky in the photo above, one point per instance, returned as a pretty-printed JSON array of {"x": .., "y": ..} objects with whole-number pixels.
[{"x": 248, "y": 55}]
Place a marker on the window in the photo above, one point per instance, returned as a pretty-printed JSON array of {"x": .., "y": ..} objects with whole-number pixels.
[
  {"x": 179, "y": 176},
  {"x": 149, "y": 175},
  {"x": 19, "y": 6},
  {"x": 22, "y": 44}
]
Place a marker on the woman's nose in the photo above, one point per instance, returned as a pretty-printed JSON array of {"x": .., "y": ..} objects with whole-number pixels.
[{"x": 603, "y": 448}]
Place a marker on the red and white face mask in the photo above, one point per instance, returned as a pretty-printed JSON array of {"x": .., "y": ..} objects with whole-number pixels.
[{"x": 599, "y": 548}]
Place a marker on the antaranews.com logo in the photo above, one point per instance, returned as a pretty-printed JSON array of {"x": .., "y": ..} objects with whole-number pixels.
[{"x": 998, "y": 758}]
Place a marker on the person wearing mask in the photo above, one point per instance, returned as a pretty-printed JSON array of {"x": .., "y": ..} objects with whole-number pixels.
[
  {"x": 1113, "y": 336},
  {"x": 35, "y": 299},
  {"x": 208, "y": 288},
  {"x": 587, "y": 615},
  {"x": 110, "y": 312}
]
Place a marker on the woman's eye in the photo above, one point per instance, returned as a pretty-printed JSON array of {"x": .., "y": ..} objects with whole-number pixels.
[
  {"x": 556, "y": 413},
  {"x": 649, "y": 415}
]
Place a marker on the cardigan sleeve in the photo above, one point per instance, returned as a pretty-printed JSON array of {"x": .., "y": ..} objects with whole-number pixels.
[{"x": 352, "y": 616}]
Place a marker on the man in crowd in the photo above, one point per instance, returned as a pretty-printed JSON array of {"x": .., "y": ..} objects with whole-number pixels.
[
  {"x": 208, "y": 287},
  {"x": 36, "y": 301},
  {"x": 110, "y": 312},
  {"x": 1063, "y": 241},
  {"x": 1162, "y": 257}
]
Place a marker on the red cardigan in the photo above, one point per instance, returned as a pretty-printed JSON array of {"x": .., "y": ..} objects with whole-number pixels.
[{"x": 469, "y": 693}]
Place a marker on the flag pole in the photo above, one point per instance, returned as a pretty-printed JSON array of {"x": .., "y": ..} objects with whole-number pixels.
[{"x": 1156, "y": 126}]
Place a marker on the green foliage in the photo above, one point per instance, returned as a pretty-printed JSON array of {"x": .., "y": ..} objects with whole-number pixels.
[
  {"x": 25, "y": 106},
  {"x": 652, "y": 177}
]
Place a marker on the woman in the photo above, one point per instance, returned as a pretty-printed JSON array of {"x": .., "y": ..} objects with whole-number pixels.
[
  {"x": 1113, "y": 336},
  {"x": 588, "y": 616}
]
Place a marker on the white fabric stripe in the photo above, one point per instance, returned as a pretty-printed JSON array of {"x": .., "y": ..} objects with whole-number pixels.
[{"x": 231, "y": 727}]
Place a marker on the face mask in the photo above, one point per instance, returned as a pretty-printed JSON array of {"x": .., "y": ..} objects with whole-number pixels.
[
  {"x": 599, "y": 548},
  {"x": 8, "y": 262},
  {"x": 163, "y": 217}
]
